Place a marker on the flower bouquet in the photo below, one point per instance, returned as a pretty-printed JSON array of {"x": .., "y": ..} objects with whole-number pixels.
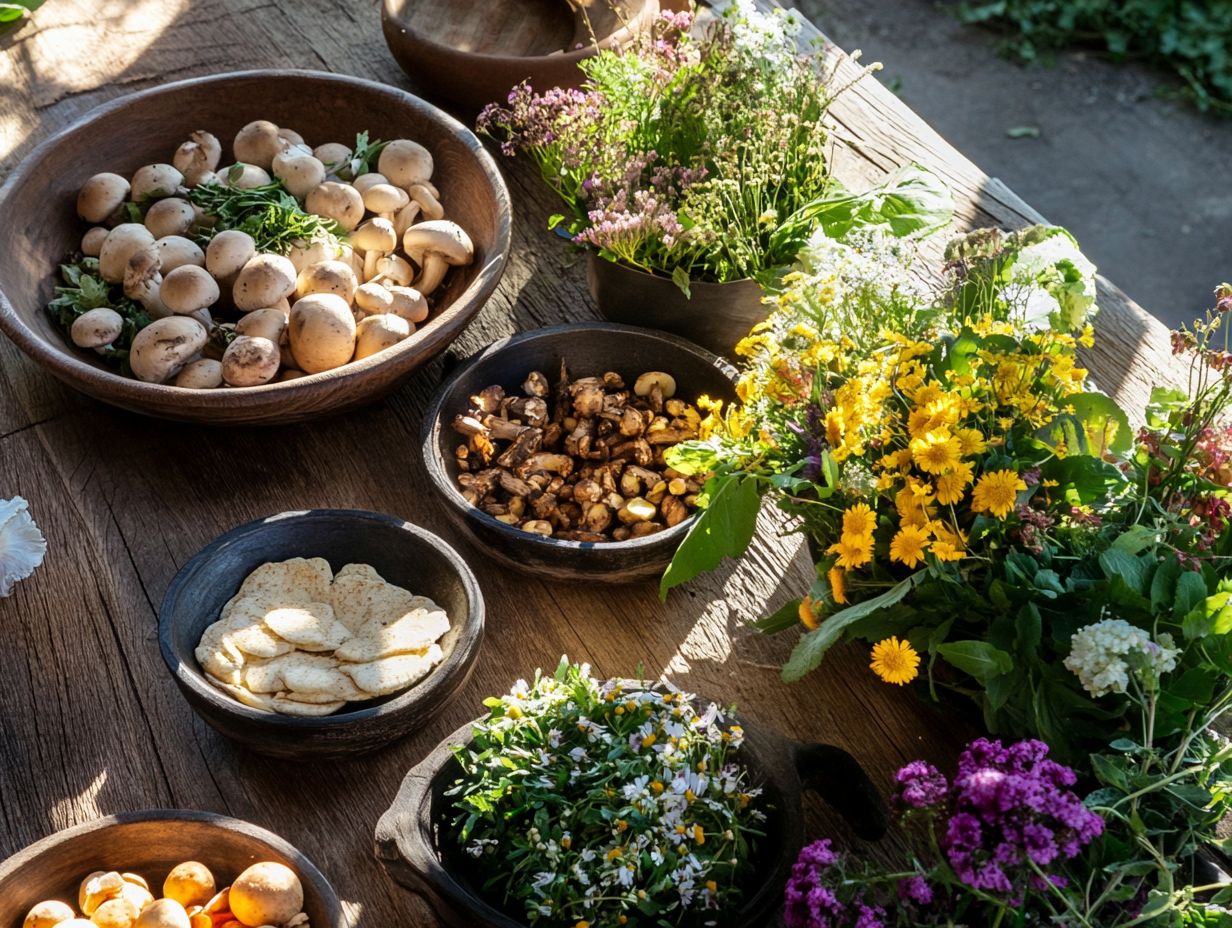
[{"x": 695, "y": 160}]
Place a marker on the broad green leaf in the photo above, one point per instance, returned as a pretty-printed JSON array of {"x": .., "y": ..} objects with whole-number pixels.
[
  {"x": 1163, "y": 584},
  {"x": 1190, "y": 592},
  {"x": 681, "y": 278},
  {"x": 813, "y": 645},
  {"x": 1117, "y": 563},
  {"x": 723, "y": 529},
  {"x": 1096, "y": 426},
  {"x": 1136, "y": 538},
  {"x": 787, "y": 616},
  {"x": 1212, "y": 617},
  {"x": 977, "y": 658},
  {"x": 1110, "y": 771}
]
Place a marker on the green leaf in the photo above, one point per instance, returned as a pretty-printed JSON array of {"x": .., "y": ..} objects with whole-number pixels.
[
  {"x": 681, "y": 278},
  {"x": 1110, "y": 771},
  {"x": 1196, "y": 685},
  {"x": 1096, "y": 426},
  {"x": 1212, "y": 617},
  {"x": 787, "y": 616},
  {"x": 1132, "y": 570},
  {"x": 1023, "y": 132},
  {"x": 1190, "y": 592},
  {"x": 1163, "y": 584},
  {"x": 977, "y": 658},
  {"x": 813, "y": 646},
  {"x": 723, "y": 529},
  {"x": 1135, "y": 539}
]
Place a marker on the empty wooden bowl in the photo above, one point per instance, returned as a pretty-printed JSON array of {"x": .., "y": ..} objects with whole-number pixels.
[
  {"x": 402, "y": 553},
  {"x": 473, "y": 52},
  {"x": 150, "y": 844},
  {"x": 413, "y": 838},
  {"x": 589, "y": 349},
  {"x": 41, "y": 226}
]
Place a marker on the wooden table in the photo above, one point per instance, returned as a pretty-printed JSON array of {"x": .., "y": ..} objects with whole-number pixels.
[{"x": 90, "y": 721}]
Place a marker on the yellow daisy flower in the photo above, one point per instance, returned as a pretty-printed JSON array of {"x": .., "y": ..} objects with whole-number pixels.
[
  {"x": 808, "y": 617},
  {"x": 835, "y": 427},
  {"x": 936, "y": 452},
  {"x": 951, "y": 486},
  {"x": 838, "y": 585},
  {"x": 859, "y": 521},
  {"x": 852, "y": 552},
  {"x": 972, "y": 441},
  {"x": 996, "y": 492},
  {"x": 945, "y": 551},
  {"x": 895, "y": 661},
  {"x": 908, "y": 544}
]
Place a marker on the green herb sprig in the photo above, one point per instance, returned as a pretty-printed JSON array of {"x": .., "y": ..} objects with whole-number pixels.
[
  {"x": 84, "y": 289},
  {"x": 269, "y": 213}
]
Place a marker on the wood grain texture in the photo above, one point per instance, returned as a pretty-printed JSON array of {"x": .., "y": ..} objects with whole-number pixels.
[{"x": 90, "y": 721}]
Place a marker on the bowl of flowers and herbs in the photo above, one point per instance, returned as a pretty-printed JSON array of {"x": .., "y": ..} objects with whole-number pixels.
[
  {"x": 575, "y": 801},
  {"x": 693, "y": 164}
]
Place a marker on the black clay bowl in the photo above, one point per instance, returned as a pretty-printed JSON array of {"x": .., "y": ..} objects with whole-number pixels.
[
  {"x": 412, "y": 837},
  {"x": 40, "y": 226},
  {"x": 402, "y": 553},
  {"x": 150, "y": 844},
  {"x": 588, "y": 348}
]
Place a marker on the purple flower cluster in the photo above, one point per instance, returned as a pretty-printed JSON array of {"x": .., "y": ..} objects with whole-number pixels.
[
  {"x": 1012, "y": 813},
  {"x": 921, "y": 786},
  {"x": 809, "y": 902}
]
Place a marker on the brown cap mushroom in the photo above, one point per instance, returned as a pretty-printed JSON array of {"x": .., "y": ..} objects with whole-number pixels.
[
  {"x": 101, "y": 196},
  {"x": 257, "y": 143},
  {"x": 188, "y": 289},
  {"x": 176, "y": 251},
  {"x": 250, "y": 361},
  {"x": 198, "y": 158},
  {"x": 299, "y": 173},
  {"x": 405, "y": 162},
  {"x": 154, "y": 182},
  {"x": 92, "y": 241},
  {"x": 376, "y": 333},
  {"x": 435, "y": 246},
  {"x": 263, "y": 281},
  {"x": 339, "y": 202},
  {"x": 162, "y": 348},
  {"x": 118, "y": 247},
  {"x": 170, "y": 216},
  {"x": 327, "y": 277},
  {"x": 227, "y": 253}
]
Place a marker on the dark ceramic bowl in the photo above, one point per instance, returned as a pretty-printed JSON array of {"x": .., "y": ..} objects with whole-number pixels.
[
  {"x": 41, "y": 226},
  {"x": 715, "y": 316},
  {"x": 412, "y": 842},
  {"x": 150, "y": 844},
  {"x": 402, "y": 553},
  {"x": 474, "y": 52},
  {"x": 589, "y": 348}
]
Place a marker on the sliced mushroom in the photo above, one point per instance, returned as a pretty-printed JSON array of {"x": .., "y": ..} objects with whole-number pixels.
[
  {"x": 436, "y": 246},
  {"x": 101, "y": 197}
]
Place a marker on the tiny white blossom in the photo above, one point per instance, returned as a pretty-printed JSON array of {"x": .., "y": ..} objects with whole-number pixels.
[{"x": 1103, "y": 656}]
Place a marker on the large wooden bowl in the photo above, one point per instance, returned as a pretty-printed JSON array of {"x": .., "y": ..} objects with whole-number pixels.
[
  {"x": 473, "y": 52},
  {"x": 589, "y": 349},
  {"x": 402, "y": 553},
  {"x": 412, "y": 837},
  {"x": 41, "y": 226},
  {"x": 150, "y": 844}
]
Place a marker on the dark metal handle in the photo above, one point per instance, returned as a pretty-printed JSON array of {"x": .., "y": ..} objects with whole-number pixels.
[{"x": 839, "y": 779}]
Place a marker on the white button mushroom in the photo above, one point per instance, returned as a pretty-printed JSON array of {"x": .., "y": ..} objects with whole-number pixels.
[
  {"x": 227, "y": 253},
  {"x": 155, "y": 182},
  {"x": 115, "y": 913},
  {"x": 165, "y": 913},
  {"x": 176, "y": 251},
  {"x": 406, "y": 218},
  {"x": 393, "y": 269},
  {"x": 339, "y": 202},
  {"x": 188, "y": 289},
  {"x": 385, "y": 200},
  {"x": 162, "y": 348},
  {"x": 371, "y": 179},
  {"x": 435, "y": 246},
  {"x": 250, "y": 360},
  {"x": 303, "y": 254},
  {"x": 264, "y": 280},
  {"x": 92, "y": 241},
  {"x": 118, "y": 247},
  {"x": 299, "y": 173},
  {"x": 258, "y": 142},
  {"x": 244, "y": 176},
  {"x": 327, "y": 277},
  {"x": 101, "y": 196},
  {"x": 293, "y": 137},
  {"x": 170, "y": 216},
  {"x": 373, "y": 298},
  {"x": 429, "y": 205},
  {"x": 405, "y": 162},
  {"x": 96, "y": 328},
  {"x": 408, "y": 303},
  {"x": 266, "y": 894},
  {"x": 375, "y": 238},
  {"x": 322, "y": 332},
  {"x": 198, "y": 158},
  {"x": 376, "y": 333},
  {"x": 333, "y": 155},
  {"x": 48, "y": 914},
  {"x": 202, "y": 374},
  {"x": 143, "y": 282},
  {"x": 270, "y": 322}
]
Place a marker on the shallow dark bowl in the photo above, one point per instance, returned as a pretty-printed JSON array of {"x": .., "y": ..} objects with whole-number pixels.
[
  {"x": 41, "y": 226},
  {"x": 150, "y": 844},
  {"x": 402, "y": 553},
  {"x": 411, "y": 836},
  {"x": 589, "y": 348},
  {"x": 715, "y": 316},
  {"x": 474, "y": 51}
]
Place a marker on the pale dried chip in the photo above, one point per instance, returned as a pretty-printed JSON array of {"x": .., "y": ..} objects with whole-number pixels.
[
  {"x": 297, "y": 580},
  {"x": 261, "y": 676},
  {"x": 391, "y": 674},
  {"x": 355, "y": 588},
  {"x": 411, "y": 632},
  {"x": 255, "y": 640},
  {"x": 291, "y": 707},
  {"x": 252, "y": 700},
  {"x": 310, "y": 626},
  {"x": 217, "y": 656},
  {"x": 304, "y": 678},
  {"x": 313, "y": 699}
]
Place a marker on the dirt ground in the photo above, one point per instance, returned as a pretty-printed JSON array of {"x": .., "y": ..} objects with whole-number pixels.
[{"x": 1144, "y": 183}]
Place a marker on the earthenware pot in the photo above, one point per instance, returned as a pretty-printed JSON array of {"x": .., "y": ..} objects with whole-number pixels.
[
  {"x": 473, "y": 52},
  {"x": 402, "y": 553},
  {"x": 412, "y": 837},
  {"x": 149, "y": 844},
  {"x": 715, "y": 316},
  {"x": 589, "y": 349},
  {"x": 41, "y": 226}
]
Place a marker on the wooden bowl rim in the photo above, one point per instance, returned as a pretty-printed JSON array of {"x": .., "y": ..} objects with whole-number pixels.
[
  {"x": 482, "y": 59},
  {"x": 456, "y": 664},
  {"x": 434, "y": 423},
  {"x": 127, "y": 390},
  {"x": 306, "y": 870}
]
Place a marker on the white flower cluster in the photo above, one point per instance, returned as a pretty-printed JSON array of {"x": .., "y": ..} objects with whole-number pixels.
[
  {"x": 1052, "y": 283},
  {"x": 1104, "y": 655},
  {"x": 676, "y": 803},
  {"x": 765, "y": 38}
]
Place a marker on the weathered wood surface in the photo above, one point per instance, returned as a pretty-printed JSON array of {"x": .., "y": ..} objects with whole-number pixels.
[{"x": 90, "y": 721}]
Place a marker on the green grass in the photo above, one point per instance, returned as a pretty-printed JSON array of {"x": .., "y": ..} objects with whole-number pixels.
[{"x": 1192, "y": 38}]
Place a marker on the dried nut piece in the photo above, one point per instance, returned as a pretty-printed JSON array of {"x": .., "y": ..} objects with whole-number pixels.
[{"x": 48, "y": 914}]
